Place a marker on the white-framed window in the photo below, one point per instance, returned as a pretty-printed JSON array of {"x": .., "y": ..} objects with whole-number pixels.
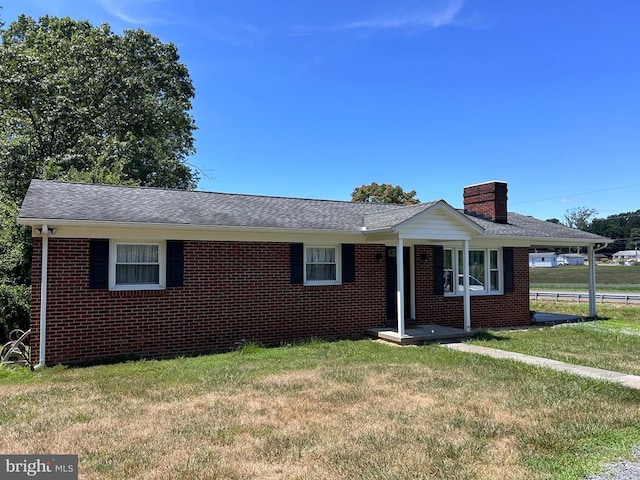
[
  {"x": 322, "y": 265},
  {"x": 449, "y": 271},
  {"x": 485, "y": 271},
  {"x": 137, "y": 265},
  {"x": 495, "y": 272}
]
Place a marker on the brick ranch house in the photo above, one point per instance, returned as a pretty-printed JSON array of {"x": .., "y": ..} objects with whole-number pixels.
[{"x": 125, "y": 272}]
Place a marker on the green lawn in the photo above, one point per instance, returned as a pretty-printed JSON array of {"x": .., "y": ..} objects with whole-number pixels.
[
  {"x": 608, "y": 278},
  {"x": 611, "y": 343},
  {"x": 338, "y": 410}
]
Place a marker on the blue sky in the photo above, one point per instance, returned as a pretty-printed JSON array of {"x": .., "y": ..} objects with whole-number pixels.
[{"x": 311, "y": 98}]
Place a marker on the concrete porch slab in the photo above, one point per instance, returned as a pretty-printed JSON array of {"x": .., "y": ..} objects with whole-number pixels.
[
  {"x": 542, "y": 318},
  {"x": 419, "y": 334}
]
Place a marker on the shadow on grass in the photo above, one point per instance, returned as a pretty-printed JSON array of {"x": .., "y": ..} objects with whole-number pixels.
[{"x": 488, "y": 336}]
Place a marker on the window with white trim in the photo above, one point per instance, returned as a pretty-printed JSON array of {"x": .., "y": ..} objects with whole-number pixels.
[
  {"x": 449, "y": 271},
  {"x": 321, "y": 265},
  {"x": 137, "y": 266},
  {"x": 485, "y": 271},
  {"x": 494, "y": 271}
]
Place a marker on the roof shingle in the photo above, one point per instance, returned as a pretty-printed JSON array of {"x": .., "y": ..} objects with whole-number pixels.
[{"x": 61, "y": 201}]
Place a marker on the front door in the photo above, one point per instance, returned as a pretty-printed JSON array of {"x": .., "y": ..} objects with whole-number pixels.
[{"x": 392, "y": 285}]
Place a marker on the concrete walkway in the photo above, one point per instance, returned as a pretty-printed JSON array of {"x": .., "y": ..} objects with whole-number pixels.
[{"x": 631, "y": 381}]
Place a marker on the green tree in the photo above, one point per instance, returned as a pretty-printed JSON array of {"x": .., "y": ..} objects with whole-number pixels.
[
  {"x": 624, "y": 228},
  {"x": 384, "y": 193},
  {"x": 579, "y": 217},
  {"x": 80, "y": 103},
  {"x": 15, "y": 269},
  {"x": 634, "y": 239}
]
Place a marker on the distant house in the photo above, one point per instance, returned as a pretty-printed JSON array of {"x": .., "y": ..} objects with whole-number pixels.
[
  {"x": 570, "y": 259},
  {"x": 626, "y": 257},
  {"x": 543, "y": 259},
  {"x": 122, "y": 272}
]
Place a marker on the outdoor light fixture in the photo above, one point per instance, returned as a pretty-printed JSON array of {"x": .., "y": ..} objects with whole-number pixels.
[{"x": 47, "y": 231}]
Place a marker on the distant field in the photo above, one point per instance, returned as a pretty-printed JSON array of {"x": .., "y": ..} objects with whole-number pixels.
[{"x": 608, "y": 278}]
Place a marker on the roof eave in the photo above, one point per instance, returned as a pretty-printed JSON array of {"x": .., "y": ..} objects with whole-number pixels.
[
  {"x": 555, "y": 241},
  {"x": 34, "y": 222}
]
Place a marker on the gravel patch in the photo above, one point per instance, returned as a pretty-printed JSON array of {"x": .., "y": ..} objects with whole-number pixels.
[{"x": 626, "y": 470}]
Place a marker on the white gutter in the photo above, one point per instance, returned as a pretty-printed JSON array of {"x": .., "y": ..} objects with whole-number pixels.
[
  {"x": 35, "y": 222},
  {"x": 43, "y": 297}
]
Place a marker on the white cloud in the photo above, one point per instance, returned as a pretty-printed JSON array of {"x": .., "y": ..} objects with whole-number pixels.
[
  {"x": 420, "y": 19},
  {"x": 135, "y": 12}
]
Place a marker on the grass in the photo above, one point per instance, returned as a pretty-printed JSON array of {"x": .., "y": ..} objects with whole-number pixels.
[
  {"x": 612, "y": 342},
  {"x": 576, "y": 277},
  {"x": 338, "y": 410}
]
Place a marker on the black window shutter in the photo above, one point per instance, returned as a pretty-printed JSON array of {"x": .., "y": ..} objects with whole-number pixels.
[
  {"x": 175, "y": 263},
  {"x": 99, "y": 263},
  {"x": 509, "y": 277},
  {"x": 297, "y": 263},
  {"x": 348, "y": 263},
  {"x": 438, "y": 270}
]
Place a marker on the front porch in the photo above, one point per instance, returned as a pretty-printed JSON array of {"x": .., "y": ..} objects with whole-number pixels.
[{"x": 419, "y": 334}]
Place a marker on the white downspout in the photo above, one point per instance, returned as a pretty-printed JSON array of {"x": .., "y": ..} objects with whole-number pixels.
[
  {"x": 43, "y": 297},
  {"x": 467, "y": 296},
  {"x": 400, "y": 284}
]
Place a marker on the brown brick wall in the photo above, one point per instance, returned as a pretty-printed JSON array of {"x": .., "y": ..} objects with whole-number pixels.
[
  {"x": 510, "y": 309},
  {"x": 235, "y": 292}
]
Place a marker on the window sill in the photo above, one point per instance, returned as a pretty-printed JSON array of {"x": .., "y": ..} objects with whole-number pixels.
[
  {"x": 138, "y": 293},
  {"x": 321, "y": 286},
  {"x": 474, "y": 294},
  {"x": 135, "y": 288}
]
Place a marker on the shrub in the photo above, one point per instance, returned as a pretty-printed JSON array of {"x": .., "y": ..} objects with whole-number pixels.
[{"x": 15, "y": 303}]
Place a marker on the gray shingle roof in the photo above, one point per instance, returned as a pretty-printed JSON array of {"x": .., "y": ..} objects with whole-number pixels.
[
  {"x": 50, "y": 200},
  {"x": 525, "y": 226},
  {"x": 59, "y": 201}
]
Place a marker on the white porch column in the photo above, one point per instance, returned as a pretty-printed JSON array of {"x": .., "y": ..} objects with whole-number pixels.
[
  {"x": 592, "y": 281},
  {"x": 467, "y": 296},
  {"x": 400, "y": 283}
]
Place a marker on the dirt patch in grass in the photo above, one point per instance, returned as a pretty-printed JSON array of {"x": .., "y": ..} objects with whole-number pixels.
[{"x": 334, "y": 411}]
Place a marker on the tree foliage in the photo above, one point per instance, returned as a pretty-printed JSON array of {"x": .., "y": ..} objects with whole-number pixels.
[
  {"x": 624, "y": 228},
  {"x": 15, "y": 269},
  {"x": 579, "y": 217},
  {"x": 384, "y": 193},
  {"x": 81, "y": 103}
]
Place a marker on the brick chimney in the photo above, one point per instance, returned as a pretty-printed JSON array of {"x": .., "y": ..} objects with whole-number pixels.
[{"x": 487, "y": 200}]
